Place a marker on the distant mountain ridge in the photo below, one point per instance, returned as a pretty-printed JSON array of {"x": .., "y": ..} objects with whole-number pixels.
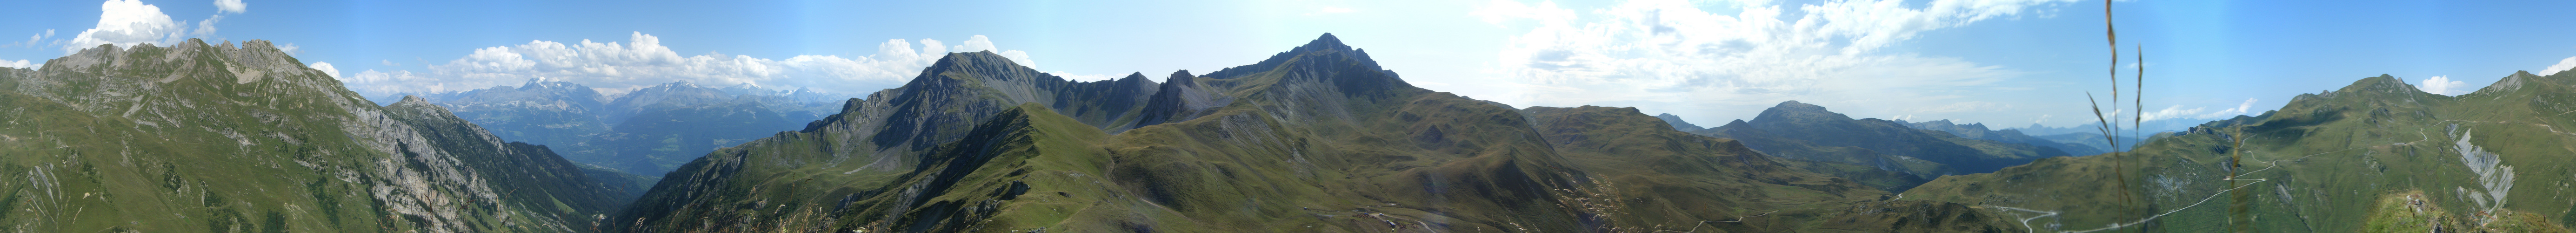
[
  {"x": 1866, "y": 149},
  {"x": 1677, "y": 123},
  {"x": 1979, "y": 131},
  {"x": 647, "y": 131}
]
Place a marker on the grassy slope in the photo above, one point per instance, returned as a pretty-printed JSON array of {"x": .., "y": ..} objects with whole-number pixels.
[
  {"x": 871, "y": 143},
  {"x": 2336, "y": 153},
  {"x": 1667, "y": 179},
  {"x": 200, "y": 138}
]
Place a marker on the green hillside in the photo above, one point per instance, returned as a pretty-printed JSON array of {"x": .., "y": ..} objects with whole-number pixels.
[
  {"x": 2492, "y": 160},
  {"x": 224, "y": 138}
]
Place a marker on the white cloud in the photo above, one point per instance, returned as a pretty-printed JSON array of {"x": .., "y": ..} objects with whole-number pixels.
[
  {"x": 21, "y": 64},
  {"x": 388, "y": 62},
  {"x": 290, "y": 49},
  {"x": 643, "y": 61},
  {"x": 979, "y": 43},
  {"x": 126, "y": 23},
  {"x": 231, "y": 6},
  {"x": 2177, "y": 112},
  {"x": 2563, "y": 65},
  {"x": 380, "y": 83},
  {"x": 206, "y": 27},
  {"x": 326, "y": 69},
  {"x": 2241, "y": 109},
  {"x": 31, "y": 39},
  {"x": 1673, "y": 55},
  {"x": 2442, "y": 85},
  {"x": 2170, "y": 113}
]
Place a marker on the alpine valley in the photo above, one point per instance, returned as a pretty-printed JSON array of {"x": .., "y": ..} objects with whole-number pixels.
[
  {"x": 199, "y": 137},
  {"x": 645, "y": 132}
]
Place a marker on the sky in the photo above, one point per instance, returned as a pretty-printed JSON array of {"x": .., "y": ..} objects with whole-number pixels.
[{"x": 2000, "y": 62}]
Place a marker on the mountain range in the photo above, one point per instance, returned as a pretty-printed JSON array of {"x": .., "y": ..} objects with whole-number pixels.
[
  {"x": 1319, "y": 138},
  {"x": 197, "y": 137},
  {"x": 647, "y": 131}
]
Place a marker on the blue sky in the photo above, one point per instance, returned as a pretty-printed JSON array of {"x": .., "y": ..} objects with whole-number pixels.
[{"x": 2001, "y": 62}]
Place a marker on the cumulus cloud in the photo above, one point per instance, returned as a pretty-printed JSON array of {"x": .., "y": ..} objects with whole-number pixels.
[
  {"x": 2177, "y": 112},
  {"x": 326, "y": 68},
  {"x": 127, "y": 23},
  {"x": 231, "y": 6},
  {"x": 2563, "y": 65},
  {"x": 1673, "y": 54},
  {"x": 21, "y": 64},
  {"x": 2170, "y": 112},
  {"x": 2442, "y": 85},
  {"x": 643, "y": 61}
]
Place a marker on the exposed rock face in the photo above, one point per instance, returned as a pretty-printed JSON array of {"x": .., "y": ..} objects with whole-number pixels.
[
  {"x": 2509, "y": 83},
  {"x": 1181, "y": 97},
  {"x": 246, "y": 138}
]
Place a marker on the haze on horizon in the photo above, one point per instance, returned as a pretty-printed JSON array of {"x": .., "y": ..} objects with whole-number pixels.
[{"x": 2005, "y": 63}]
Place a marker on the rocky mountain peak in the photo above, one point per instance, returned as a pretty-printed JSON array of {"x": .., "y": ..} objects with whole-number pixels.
[
  {"x": 1322, "y": 49},
  {"x": 966, "y": 59},
  {"x": 1132, "y": 76},
  {"x": 250, "y": 61},
  {"x": 2383, "y": 83},
  {"x": 2511, "y": 82},
  {"x": 412, "y": 99},
  {"x": 1325, "y": 43},
  {"x": 1182, "y": 78},
  {"x": 1796, "y": 110}
]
